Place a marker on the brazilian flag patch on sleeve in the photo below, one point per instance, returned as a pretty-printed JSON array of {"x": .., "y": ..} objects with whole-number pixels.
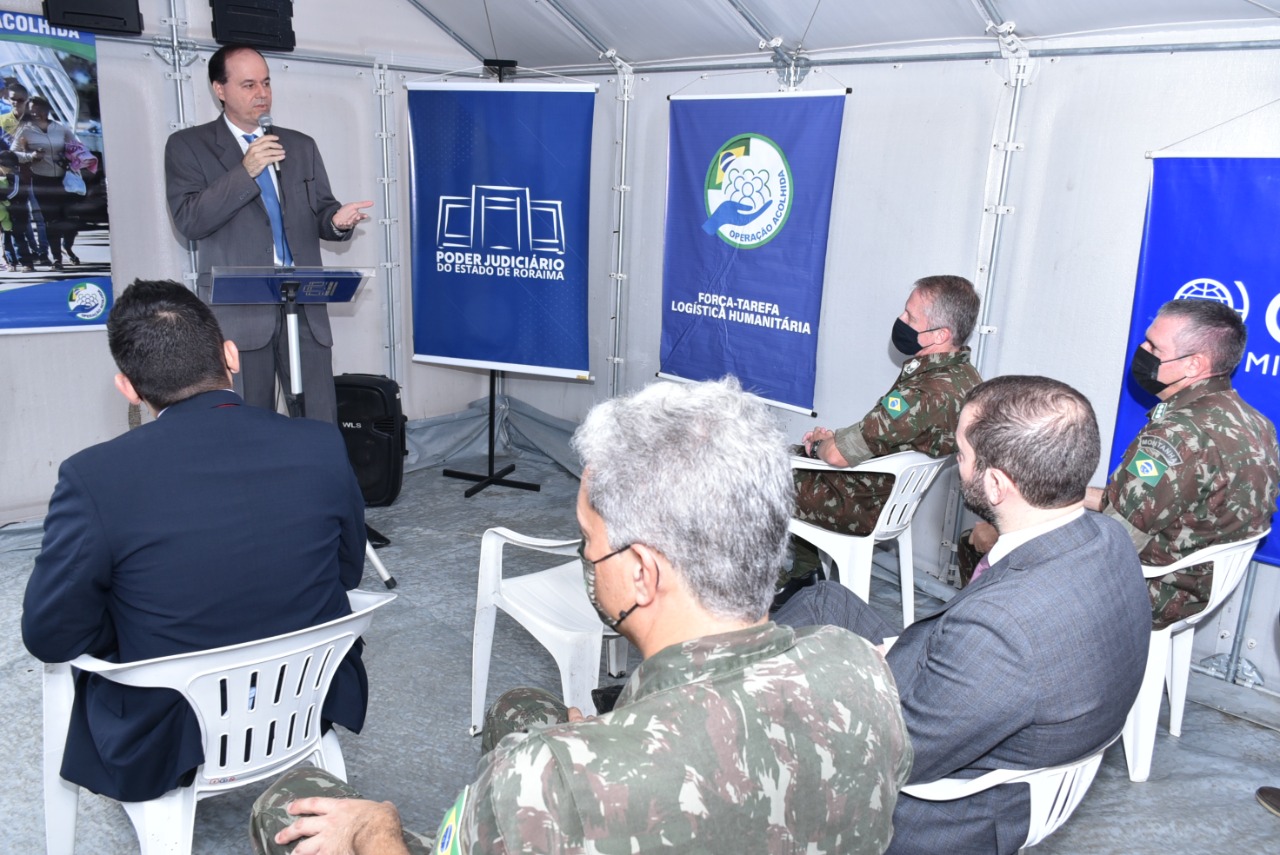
[
  {"x": 895, "y": 405},
  {"x": 1147, "y": 469},
  {"x": 447, "y": 842}
]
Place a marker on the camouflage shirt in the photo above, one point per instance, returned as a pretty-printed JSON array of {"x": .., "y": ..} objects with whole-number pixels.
[
  {"x": 919, "y": 413},
  {"x": 767, "y": 739},
  {"x": 1203, "y": 471}
]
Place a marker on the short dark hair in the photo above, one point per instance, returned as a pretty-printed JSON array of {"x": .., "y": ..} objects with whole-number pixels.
[
  {"x": 39, "y": 102},
  {"x": 953, "y": 303},
  {"x": 1040, "y": 432},
  {"x": 218, "y": 62},
  {"x": 167, "y": 342},
  {"x": 1212, "y": 328}
]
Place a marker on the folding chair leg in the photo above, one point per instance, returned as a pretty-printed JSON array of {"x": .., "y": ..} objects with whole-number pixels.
[
  {"x": 61, "y": 797},
  {"x": 1140, "y": 728},
  {"x": 617, "y": 649},
  {"x": 165, "y": 825},
  {"x": 907, "y": 577},
  {"x": 481, "y": 649},
  {"x": 579, "y": 663},
  {"x": 331, "y": 759},
  {"x": 1176, "y": 674}
]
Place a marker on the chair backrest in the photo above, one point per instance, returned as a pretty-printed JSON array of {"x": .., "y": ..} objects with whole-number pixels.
[
  {"x": 913, "y": 473},
  {"x": 1055, "y": 794},
  {"x": 1230, "y": 560},
  {"x": 1056, "y": 791},
  {"x": 259, "y": 702}
]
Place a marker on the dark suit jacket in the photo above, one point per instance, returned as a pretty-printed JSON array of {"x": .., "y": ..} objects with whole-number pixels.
[
  {"x": 217, "y": 523},
  {"x": 214, "y": 201},
  {"x": 1035, "y": 664}
]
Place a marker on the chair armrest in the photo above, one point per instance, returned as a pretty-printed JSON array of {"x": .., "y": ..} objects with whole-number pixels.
[
  {"x": 798, "y": 462},
  {"x": 889, "y": 464},
  {"x": 501, "y": 536},
  {"x": 947, "y": 789},
  {"x": 1213, "y": 554}
]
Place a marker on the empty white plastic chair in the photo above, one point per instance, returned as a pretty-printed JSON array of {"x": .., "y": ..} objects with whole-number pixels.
[
  {"x": 912, "y": 472},
  {"x": 1056, "y": 791},
  {"x": 1169, "y": 657},
  {"x": 258, "y": 704},
  {"x": 553, "y": 606}
]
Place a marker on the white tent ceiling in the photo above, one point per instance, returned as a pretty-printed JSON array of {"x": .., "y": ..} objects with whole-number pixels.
[{"x": 573, "y": 34}]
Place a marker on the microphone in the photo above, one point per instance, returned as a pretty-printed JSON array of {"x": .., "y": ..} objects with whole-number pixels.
[{"x": 264, "y": 123}]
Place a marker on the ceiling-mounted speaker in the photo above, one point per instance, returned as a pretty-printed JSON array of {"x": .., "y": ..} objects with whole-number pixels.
[
  {"x": 96, "y": 16},
  {"x": 260, "y": 23}
]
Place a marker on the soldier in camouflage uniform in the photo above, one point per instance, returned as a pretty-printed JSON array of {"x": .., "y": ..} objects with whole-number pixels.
[
  {"x": 1038, "y": 662},
  {"x": 1204, "y": 469},
  {"x": 919, "y": 413},
  {"x": 734, "y": 734}
]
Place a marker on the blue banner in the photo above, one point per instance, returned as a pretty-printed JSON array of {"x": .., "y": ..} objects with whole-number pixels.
[
  {"x": 43, "y": 225},
  {"x": 748, "y": 206},
  {"x": 1211, "y": 235},
  {"x": 56, "y": 306},
  {"x": 500, "y": 212}
]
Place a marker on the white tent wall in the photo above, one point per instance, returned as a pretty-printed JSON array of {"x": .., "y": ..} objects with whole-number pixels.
[
  {"x": 914, "y": 174},
  {"x": 58, "y": 385}
]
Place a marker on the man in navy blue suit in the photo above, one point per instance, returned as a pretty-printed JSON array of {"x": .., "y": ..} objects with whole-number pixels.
[{"x": 215, "y": 524}]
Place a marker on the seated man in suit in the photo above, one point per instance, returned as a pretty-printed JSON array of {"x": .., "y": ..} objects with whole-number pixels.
[
  {"x": 215, "y": 524},
  {"x": 733, "y": 735},
  {"x": 1203, "y": 470},
  {"x": 1035, "y": 663},
  {"x": 918, "y": 413}
]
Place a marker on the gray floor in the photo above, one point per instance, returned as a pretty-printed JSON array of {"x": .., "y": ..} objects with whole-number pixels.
[{"x": 415, "y": 750}]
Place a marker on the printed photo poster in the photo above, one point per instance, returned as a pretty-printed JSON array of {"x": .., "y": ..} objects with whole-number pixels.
[
  {"x": 55, "y": 275},
  {"x": 1210, "y": 234},
  {"x": 749, "y": 188},
  {"x": 501, "y": 180}
]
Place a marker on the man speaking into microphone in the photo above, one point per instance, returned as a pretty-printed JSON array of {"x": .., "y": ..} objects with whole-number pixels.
[{"x": 252, "y": 194}]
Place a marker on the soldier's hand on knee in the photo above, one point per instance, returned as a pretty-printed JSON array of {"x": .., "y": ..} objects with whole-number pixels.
[{"x": 341, "y": 826}]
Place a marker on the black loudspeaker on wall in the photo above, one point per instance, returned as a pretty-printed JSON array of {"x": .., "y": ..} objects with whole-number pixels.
[
  {"x": 99, "y": 16},
  {"x": 261, "y": 23},
  {"x": 373, "y": 426}
]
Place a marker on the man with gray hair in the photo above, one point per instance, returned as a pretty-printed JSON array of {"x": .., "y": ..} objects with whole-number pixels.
[
  {"x": 733, "y": 728},
  {"x": 919, "y": 413},
  {"x": 1037, "y": 662}
]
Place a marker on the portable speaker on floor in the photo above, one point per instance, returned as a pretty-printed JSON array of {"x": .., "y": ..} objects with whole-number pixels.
[{"x": 373, "y": 426}]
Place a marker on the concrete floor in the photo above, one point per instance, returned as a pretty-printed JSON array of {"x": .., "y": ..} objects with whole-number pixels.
[{"x": 415, "y": 750}]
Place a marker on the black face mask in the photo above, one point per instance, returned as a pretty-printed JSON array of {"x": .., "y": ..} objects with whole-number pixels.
[
  {"x": 1145, "y": 368},
  {"x": 907, "y": 340}
]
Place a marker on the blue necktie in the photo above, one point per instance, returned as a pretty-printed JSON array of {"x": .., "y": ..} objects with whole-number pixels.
[{"x": 272, "y": 201}]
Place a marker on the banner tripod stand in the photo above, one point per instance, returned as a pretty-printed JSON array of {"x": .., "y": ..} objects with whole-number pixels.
[{"x": 500, "y": 477}]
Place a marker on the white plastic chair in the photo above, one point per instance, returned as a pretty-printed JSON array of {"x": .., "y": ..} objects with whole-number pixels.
[
  {"x": 912, "y": 473},
  {"x": 1056, "y": 791},
  {"x": 1169, "y": 657},
  {"x": 553, "y": 606},
  {"x": 269, "y": 722}
]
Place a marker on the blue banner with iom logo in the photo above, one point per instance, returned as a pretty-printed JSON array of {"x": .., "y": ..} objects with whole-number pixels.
[
  {"x": 749, "y": 189},
  {"x": 501, "y": 174},
  {"x": 1211, "y": 234}
]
